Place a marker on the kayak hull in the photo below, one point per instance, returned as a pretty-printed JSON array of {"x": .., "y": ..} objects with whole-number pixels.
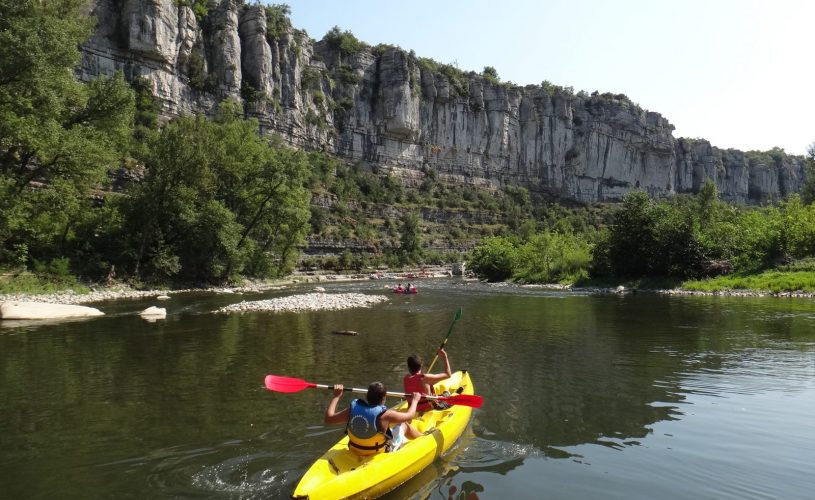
[{"x": 340, "y": 473}]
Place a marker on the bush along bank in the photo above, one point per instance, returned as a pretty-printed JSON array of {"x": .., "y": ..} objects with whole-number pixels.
[{"x": 698, "y": 243}]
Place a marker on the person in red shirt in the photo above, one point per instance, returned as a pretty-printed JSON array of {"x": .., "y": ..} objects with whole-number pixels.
[{"x": 416, "y": 381}]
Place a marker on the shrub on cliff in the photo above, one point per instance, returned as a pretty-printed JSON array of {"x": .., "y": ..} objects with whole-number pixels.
[
  {"x": 199, "y": 7},
  {"x": 491, "y": 74},
  {"x": 344, "y": 41},
  {"x": 277, "y": 20}
]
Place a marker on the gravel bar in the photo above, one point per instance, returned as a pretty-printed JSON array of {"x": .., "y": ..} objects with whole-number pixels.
[{"x": 307, "y": 302}]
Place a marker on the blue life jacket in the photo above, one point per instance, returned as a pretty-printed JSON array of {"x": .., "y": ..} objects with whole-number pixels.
[{"x": 364, "y": 436}]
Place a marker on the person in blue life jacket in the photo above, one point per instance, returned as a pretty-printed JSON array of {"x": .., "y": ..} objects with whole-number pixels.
[{"x": 368, "y": 422}]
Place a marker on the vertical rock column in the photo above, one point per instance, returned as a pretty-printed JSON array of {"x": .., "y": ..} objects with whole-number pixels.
[
  {"x": 399, "y": 104},
  {"x": 226, "y": 47},
  {"x": 189, "y": 42},
  {"x": 152, "y": 29},
  {"x": 256, "y": 54}
]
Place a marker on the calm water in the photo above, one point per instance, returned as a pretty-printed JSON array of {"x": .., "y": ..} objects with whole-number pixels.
[{"x": 585, "y": 396}]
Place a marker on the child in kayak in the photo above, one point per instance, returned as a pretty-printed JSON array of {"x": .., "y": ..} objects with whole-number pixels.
[
  {"x": 368, "y": 422},
  {"x": 416, "y": 381}
]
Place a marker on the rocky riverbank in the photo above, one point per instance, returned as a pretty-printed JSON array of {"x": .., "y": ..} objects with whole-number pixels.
[
  {"x": 307, "y": 302},
  {"x": 122, "y": 291},
  {"x": 71, "y": 297}
]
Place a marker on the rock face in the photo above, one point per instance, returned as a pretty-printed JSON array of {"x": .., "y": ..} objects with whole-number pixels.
[{"x": 399, "y": 113}]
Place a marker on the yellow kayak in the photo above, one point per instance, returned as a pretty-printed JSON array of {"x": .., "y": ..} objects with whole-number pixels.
[{"x": 340, "y": 473}]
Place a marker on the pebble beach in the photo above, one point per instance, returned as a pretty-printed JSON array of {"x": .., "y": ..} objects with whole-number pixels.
[{"x": 307, "y": 302}]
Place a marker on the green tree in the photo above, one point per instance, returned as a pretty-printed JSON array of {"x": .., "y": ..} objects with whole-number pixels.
[
  {"x": 795, "y": 230},
  {"x": 491, "y": 74},
  {"x": 217, "y": 202},
  {"x": 494, "y": 259},
  {"x": 344, "y": 41},
  {"x": 277, "y": 20},
  {"x": 677, "y": 251},
  {"x": 58, "y": 137},
  {"x": 410, "y": 241},
  {"x": 808, "y": 190},
  {"x": 708, "y": 199},
  {"x": 551, "y": 257},
  {"x": 632, "y": 240}
]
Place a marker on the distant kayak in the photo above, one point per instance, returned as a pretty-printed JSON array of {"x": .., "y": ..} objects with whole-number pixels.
[{"x": 405, "y": 291}]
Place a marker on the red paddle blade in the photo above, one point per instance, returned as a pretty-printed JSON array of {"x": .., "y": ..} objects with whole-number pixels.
[
  {"x": 470, "y": 400},
  {"x": 286, "y": 384}
]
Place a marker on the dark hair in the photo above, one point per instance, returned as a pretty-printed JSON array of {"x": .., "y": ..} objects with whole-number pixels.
[
  {"x": 376, "y": 393},
  {"x": 414, "y": 363}
]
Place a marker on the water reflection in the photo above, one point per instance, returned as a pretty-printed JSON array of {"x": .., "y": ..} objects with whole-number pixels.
[
  {"x": 605, "y": 370},
  {"x": 114, "y": 406}
]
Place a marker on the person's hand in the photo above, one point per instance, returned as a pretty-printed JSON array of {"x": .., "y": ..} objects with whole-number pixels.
[
  {"x": 416, "y": 397},
  {"x": 441, "y": 352},
  {"x": 338, "y": 390}
]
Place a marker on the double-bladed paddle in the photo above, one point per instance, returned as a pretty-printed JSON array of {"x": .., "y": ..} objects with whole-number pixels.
[
  {"x": 444, "y": 342},
  {"x": 277, "y": 383}
]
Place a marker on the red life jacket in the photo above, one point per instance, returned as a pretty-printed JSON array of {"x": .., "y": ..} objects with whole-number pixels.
[{"x": 415, "y": 383}]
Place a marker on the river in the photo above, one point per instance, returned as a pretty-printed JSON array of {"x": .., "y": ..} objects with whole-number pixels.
[{"x": 586, "y": 396}]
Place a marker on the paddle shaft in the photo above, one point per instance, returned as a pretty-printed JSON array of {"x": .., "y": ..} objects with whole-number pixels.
[
  {"x": 444, "y": 342},
  {"x": 290, "y": 385},
  {"x": 365, "y": 391}
]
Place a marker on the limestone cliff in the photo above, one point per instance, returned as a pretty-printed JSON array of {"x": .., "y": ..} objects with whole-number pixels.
[{"x": 395, "y": 111}]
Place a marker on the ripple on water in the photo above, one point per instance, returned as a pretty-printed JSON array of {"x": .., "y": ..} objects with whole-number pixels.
[
  {"x": 751, "y": 371},
  {"x": 250, "y": 475}
]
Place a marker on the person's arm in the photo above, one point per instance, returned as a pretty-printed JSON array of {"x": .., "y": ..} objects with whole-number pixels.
[
  {"x": 432, "y": 378},
  {"x": 331, "y": 414},
  {"x": 397, "y": 417}
]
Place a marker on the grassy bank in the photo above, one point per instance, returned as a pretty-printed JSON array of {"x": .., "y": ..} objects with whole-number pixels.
[
  {"x": 36, "y": 284},
  {"x": 771, "y": 281}
]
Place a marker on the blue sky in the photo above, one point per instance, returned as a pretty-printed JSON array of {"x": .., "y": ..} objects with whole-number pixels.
[{"x": 739, "y": 73}]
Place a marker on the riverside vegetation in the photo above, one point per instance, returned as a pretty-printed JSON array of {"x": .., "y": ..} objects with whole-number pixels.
[{"x": 94, "y": 185}]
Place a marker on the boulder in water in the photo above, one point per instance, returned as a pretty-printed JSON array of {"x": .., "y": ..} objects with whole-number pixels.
[
  {"x": 43, "y": 310},
  {"x": 154, "y": 313}
]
